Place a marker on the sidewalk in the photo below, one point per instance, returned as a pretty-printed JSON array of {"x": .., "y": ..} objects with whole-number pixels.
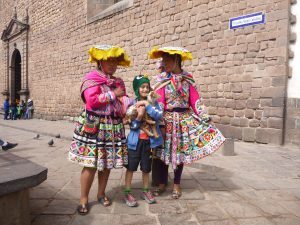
[
  {"x": 44, "y": 127},
  {"x": 260, "y": 185}
]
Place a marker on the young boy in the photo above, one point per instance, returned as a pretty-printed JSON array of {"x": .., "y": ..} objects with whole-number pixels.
[{"x": 139, "y": 143}]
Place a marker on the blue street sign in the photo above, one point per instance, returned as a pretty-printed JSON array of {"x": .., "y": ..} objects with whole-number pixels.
[{"x": 247, "y": 20}]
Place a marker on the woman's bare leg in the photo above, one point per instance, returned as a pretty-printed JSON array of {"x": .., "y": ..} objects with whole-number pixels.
[{"x": 86, "y": 180}]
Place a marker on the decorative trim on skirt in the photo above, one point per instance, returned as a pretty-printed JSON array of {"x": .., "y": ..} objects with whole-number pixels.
[
  {"x": 188, "y": 139},
  {"x": 105, "y": 149}
]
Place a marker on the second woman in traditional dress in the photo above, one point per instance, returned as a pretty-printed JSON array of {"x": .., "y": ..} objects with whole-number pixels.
[{"x": 190, "y": 135}]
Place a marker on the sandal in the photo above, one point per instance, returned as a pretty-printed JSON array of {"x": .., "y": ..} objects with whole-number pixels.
[
  {"x": 105, "y": 201},
  {"x": 83, "y": 209},
  {"x": 176, "y": 194},
  {"x": 158, "y": 192}
]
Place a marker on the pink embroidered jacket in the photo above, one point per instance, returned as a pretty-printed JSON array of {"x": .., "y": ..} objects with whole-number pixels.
[
  {"x": 98, "y": 95},
  {"x": 180, "y": 92}
]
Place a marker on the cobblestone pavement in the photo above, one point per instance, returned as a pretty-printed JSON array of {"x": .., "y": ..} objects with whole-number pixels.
[{"x": 259, "y": 185}]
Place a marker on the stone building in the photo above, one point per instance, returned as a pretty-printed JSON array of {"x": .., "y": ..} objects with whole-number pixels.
[{"x": 246, "y": 75}]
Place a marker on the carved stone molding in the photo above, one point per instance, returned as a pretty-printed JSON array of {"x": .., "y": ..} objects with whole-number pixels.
[{"x": 15, "y": 37}]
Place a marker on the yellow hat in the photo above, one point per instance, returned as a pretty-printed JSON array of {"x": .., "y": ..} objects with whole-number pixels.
[
  {"x": 156, "y": 52},
  {"x": 103, "y": 52}
]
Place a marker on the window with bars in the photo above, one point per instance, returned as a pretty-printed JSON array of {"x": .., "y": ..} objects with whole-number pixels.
[{"x": 98, "y": 9}]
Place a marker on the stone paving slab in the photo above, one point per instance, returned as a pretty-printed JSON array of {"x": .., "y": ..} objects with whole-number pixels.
[
  {"x": 255, "y": 221},
  {"x": 259, "y": 185},
  {"x": 52, "y": 219}
]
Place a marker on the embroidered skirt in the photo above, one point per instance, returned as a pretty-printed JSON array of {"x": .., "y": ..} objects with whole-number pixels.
[
  {"x": 105, "y": 149},
  {"x": 188, "y": 139}
]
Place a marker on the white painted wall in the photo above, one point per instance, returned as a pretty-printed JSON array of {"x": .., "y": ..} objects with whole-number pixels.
[{"x": 294, "y": 81}]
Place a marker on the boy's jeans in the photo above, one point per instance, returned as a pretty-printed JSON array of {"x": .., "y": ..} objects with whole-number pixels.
[
  {"x": 6, "y": 112},
  {"x": 28, "y": 114}
]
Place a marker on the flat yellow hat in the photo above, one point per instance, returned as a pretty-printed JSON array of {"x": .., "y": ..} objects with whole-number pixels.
[
  {"x": 103, "y": 52},
  {"x": 156, "y": 52}
]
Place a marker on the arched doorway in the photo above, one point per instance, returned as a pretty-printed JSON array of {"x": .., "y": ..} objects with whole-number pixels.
[{"x": 15, "y": 75}]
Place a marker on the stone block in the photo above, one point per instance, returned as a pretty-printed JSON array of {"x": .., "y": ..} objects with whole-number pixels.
[
  {"x": 297, "y": 124},
  {"x": 221, "y": 111},
  {"x": 258, "y": 114},
  {"x": 264, "y": 122},
  {"x": 266, "y": 81},
  {"x": 247, "y": 87},
  {"x": 277, "y": 102},
  {"x": 225, "y": 120},
  {"x": 276, "y": 52},
  {"x": 272, "y": 92},
  {"x": 249, "y": 113},
  {"x": 240, "y": 104},
  {"x": 212, "y": 110},
  {"x": 216, "y": 119},
  {"x": 279, "y": 81},
  {"x": 230, "y": 103},
  {"x": 268, "y": 136},
  {"x": 244, "y": 122},
  {"x": 273, "y": 112},
  {"x": 221, "y": 102},
  {"x": 293, "y": 112},
  {"x": 235, "y": 121},
  {"x": 290, "y": 123},
  {"x": 239, "y": 113},
  {"x": 249, "y": 134},
  {"x": 265, "y": 102},
  {"x": 240, "y": 96},
  {"x": 230, "y": 131},
  {"x": 246, "y": 77},
  {"x": 256, "y": 93},
  {"x": 257, "y": 83},
  {"x": 15, "y": 208},
  {"x": 254, "y": 123},
  {"x": 253, "y": 103},
  {"x": 228, "y": 95},
  {"x": 293, "y": 136},
  {"x": 254, "y": 47},
  {"x": 275, "y": 71},
  {"x": 230, "y": 112},
  {"x": 275, "y": 123},
  {"x": 228, "y": 147},
  {"x": 20, "y": 174}
]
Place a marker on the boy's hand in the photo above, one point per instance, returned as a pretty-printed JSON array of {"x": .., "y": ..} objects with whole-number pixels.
[
  {"x": 119, "y": 91},
  {"x": 141, "y": 111}
]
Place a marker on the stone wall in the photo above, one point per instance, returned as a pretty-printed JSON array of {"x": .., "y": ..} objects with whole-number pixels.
[
  {"x": 292, "y": 134},
  {"x": 240, "y": 73}
]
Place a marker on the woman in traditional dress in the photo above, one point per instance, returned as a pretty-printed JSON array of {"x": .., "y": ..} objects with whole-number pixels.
[
  {"x": 99, "y": 141},
  {"x": 190, "y": 135}
]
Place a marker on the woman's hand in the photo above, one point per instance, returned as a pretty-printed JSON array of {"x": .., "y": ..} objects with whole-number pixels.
[
  {"x": 119, "y": 92},
  {"x": 141, "y": 112},
  {"x": 142, "y": 103}
]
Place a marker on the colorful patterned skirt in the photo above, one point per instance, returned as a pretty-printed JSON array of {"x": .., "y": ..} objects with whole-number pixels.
[
  {"x": 105, "y": 149},
  {"x": 188, "y": 139}
]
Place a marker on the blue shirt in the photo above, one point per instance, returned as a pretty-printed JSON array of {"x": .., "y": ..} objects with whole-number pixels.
[
  {"x": 155, "y": 112},
  {"x": 6, "y": 105}
]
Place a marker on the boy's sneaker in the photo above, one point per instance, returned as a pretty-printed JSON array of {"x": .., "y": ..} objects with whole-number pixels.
[
  {"x": 130, "y": 200},
  {"x": 148, "y": 197}
]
